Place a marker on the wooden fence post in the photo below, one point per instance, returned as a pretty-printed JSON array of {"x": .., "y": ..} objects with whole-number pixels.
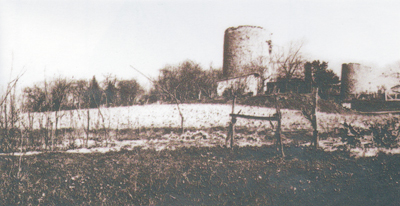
[
  {"x": 314, "y": 122},
  {"x": 231, "y": 127},
  {"x": 56, "y": 124},
  {"x": 233, "y": 121},
  {"x": 52, "y": 136},
  {"x": 278, "y": 128},
  {"x": 87, "y": 130},
  {"x": 276, "y": 117},
  {"x": 47, "y": 131},
  {"x": 233, "y": 130}
]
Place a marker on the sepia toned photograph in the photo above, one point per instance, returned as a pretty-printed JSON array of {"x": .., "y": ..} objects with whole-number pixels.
[{"x": 198, "y": 102}]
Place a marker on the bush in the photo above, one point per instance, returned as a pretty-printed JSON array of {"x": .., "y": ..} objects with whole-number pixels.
[
  {"x": 386, "y": 135},
  {"x": 186, "y": 82},
  {"x": 350, "y": 136}
]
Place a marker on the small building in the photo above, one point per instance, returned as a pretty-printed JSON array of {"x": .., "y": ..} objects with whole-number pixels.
[
  {"x": 251, "y": 84},
  {"x": 393, "y": 94}
]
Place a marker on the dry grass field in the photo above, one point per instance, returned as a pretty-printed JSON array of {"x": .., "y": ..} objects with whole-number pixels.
[{"x": 141, "y": 125}]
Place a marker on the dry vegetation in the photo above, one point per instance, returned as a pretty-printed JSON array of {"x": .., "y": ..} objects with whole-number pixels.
[
  {"x": 108, "y": 125},
  {"x": 153, "y": 164},
  {"x": 202, "y": 176}
]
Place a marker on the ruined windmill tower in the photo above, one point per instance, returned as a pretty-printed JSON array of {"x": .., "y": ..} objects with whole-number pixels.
[
  {"x": 242, "y": 46},
  {"x": 355, "y": 80}
]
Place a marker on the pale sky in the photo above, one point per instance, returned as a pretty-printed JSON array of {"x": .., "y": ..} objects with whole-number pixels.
[{"x": 82, "y": 38}]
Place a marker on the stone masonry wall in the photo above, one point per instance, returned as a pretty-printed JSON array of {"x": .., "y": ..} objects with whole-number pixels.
[{"x": 242, "y": 45}]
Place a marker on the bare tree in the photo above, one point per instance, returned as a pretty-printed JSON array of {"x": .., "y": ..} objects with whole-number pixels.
[
  {"x": 59, "y": 93},
  {"x": 209, "y": 82},
  {"x": 9, "y": 116},
  {"x": 188, "y": 81},
  {"x": 309, "y": 108},
  {"x": 129, "y": 91},
  {"x": 79, "y": 88},
  {"x": 288, "y": 61},
  {"x": 170, "y": 94}
]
